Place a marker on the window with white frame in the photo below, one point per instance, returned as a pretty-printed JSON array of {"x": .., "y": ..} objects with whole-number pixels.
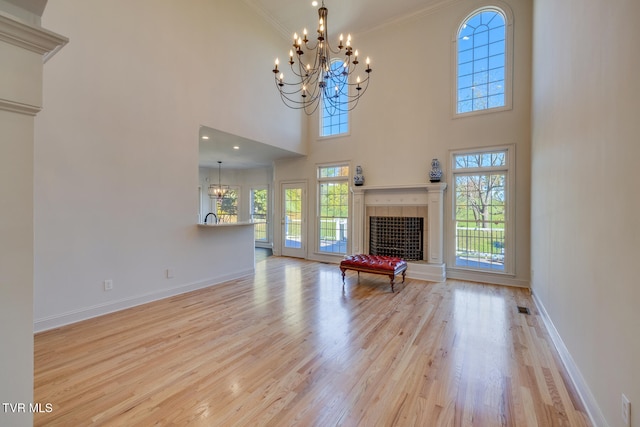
[
  {"x": 259, "y": 210},
  {"x": 482, "y": 61},
  {"x": 334, "y": 117},
  {"x": 482, "y": 210},
  {"x": 227, "y": 206},
  {"x": 333, "y": 208}
]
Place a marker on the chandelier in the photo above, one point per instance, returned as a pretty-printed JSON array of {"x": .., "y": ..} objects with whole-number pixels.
[
  {"x": 220, "y": 190},
  {"x": 333, "y": 82}
]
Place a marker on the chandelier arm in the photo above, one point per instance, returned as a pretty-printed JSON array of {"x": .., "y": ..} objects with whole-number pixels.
[
  {"x": 344, "y": 106},
  {"x": 316, "y": 67},
  {"x": 283, "y": 86},
  {"x": 308, "y": 107},
  {"x": 345, "y": 97},
  {"x": 308, "y": 110},
  {"x": 297, "y": 93},
  {"x": 296, "y": 90},
  {"x": 300, "y": 72},
  {"x": 306, "y": 76},
  {"x": 330, "y": 49},
  {"x": 335, "y": 52},
  {"x": 346, "y": 93}
]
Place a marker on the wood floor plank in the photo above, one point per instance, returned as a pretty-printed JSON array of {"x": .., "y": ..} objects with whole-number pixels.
[{"x": 290, "y": 346}]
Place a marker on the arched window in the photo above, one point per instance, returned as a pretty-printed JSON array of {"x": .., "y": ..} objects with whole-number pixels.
[
  {"x": 334, "y": 120},
  {"x": 482, "y": 65}
]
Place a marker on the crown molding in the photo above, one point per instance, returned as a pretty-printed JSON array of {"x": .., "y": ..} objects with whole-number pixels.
[
  {"x": 34, "y": 39},
  {"x": 268, "y": 17},
  {"x": 17, "y": 107},
  {"x": 417, "y": 14}
]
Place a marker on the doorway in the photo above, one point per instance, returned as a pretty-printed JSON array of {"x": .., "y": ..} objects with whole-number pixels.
[{"x": 294, "y": 219}]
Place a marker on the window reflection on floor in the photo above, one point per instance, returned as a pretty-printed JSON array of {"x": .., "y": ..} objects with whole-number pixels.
[{"x": 483, "y": 338}]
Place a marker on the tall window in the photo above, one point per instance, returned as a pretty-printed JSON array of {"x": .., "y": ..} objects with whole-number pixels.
[
  {"x": 259, "y": 213},
  {"x": 333, "y": 208},
  {"x": 482, "y": 61},
  {"x": 481, "y": 211},
  {"x": 334, "y": 121}
]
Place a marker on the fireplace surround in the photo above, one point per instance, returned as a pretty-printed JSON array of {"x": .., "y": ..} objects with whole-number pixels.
[{"x": 413, "y": 200}]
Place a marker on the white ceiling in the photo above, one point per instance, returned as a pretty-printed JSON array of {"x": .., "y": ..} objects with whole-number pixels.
[
  {"x": 219, "y": 146},
  {"x": 345, "y": 16}
]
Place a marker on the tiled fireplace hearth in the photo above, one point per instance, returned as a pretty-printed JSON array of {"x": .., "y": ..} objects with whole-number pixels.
[{"x": 423, "y": 203}]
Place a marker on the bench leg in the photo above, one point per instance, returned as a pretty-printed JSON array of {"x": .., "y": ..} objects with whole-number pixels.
[{"x": 393, "y": 279}]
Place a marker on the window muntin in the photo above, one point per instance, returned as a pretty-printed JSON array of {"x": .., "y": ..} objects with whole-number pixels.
[
  {"x": 481, "y": 211},
  {"x": 333, "y": 208},
  {"x": 333, "y": 172},
  {"x": 480, "y": 160},
  {"x": 333, "y": 120},
  {"x": 481, "y": 62}
]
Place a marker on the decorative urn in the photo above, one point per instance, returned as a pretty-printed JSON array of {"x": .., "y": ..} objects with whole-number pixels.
[
  {"x": 436, "y": 173},
  {"x": 358, "y": 178}
]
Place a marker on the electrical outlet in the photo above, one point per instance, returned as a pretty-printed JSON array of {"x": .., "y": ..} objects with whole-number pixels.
[
  {"x": 169, "y": 273},
  {"x": 108, "y": 285},
  {"x": 626, "y": 411}
]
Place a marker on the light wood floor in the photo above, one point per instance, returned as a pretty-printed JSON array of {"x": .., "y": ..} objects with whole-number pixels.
[{"x": 289, "y": 347}]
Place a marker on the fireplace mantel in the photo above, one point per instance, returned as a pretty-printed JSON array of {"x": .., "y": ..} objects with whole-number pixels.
[
  {"x": 429, "y": 194},
  {"x": 437, "y": 186}
]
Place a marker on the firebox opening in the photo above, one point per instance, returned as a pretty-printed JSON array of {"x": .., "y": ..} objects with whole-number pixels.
[{"x": 397, "y": 236}]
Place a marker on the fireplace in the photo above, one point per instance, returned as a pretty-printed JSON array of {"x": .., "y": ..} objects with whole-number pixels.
[
  {"x": 394, "y": 208},
  {"x": 396, "y": 236},
  {"x": 396, "y": 231}
]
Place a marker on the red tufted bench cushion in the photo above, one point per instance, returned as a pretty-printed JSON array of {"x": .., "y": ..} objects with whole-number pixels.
[{"x": 376, "y": 264}]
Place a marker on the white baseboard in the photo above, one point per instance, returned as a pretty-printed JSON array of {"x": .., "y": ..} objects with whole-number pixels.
[
  {"x": 55, "y": 321},
  {"x": 426, "y": 271},
  {"x": 494, "y": 279},
  {"x": 593, "y": 410}
]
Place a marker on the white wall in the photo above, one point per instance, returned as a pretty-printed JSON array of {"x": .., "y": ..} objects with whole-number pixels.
[
  {"x": 405, "y": 117},
  {"x": 585, "y": 151},
  {"x": 116, "y": 151}
]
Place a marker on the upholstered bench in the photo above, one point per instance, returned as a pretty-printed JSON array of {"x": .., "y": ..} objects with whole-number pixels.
[{"x": 376, "y": 264}]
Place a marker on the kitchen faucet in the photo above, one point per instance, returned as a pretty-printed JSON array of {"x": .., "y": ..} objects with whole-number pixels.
[{"x": 207, "y": 217}]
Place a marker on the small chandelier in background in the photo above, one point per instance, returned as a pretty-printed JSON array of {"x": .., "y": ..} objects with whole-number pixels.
[
  {"x": 335, "y": 84},
  {"x": 220, "y": 190}
]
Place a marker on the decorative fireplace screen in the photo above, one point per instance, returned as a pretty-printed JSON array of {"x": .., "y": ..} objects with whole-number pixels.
[{"x": 396, "y": 236}]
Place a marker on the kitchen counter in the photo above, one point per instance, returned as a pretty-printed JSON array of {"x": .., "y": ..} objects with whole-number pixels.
[{"x": 231, "y": 224}]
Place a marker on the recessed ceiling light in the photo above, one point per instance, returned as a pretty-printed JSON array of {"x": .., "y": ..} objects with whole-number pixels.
[
  {"x": 235, "y": 147},
  {"x": 205, "y": 137},
  {"x": 314, "y": 3}
]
